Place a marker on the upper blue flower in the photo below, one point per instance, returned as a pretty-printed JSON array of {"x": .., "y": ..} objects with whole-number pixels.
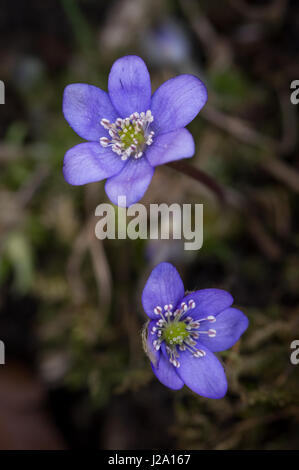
[
  {"x": 129, "y": 131},
  {"x": 185, "y": 330}
]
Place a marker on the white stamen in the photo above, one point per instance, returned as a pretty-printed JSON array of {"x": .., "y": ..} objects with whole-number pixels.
[
  {"x": 158, "y": 310},
  {"x": 212, "y": 333},
  {"x": 104, "y": 141},
  {"x": 211, "y": 318}
]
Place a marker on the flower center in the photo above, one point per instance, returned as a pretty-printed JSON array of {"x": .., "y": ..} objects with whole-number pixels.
[
  {"x": 175, "y": 333},
  {"x": 179, "y": 331},
  {"x": 129, "y": 136}
]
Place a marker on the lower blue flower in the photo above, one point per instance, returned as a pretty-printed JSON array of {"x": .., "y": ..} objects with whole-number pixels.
[{"x": 185, "y": 330}]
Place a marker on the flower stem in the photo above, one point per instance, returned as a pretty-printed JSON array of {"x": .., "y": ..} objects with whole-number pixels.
[{"x": 202, "y": 178}]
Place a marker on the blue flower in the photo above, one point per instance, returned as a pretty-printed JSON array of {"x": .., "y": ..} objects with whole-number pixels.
[
  {"x": 185, "y": 330},
  {"x": 129, "y": 132}
]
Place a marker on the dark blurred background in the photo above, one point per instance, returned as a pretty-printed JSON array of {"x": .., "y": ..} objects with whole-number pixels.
[{"x": 71, "y": 315}]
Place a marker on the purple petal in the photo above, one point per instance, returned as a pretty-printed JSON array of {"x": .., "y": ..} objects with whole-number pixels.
[
  {"x": 131, "y": 182},
  {"x": 129, "y": 85},
  {"x": 84, "y": 106},
  {"x": 166, "y": 373},
  {"x": 164, "y": 286},
  {"x": 177, "y": 102},
  {"x": 229, "y": 325},
  {"x": 89, "y": 162},
  {"x": 208, "y": 302},
  {"x": 171, "y": 146},
  {"x": 203, "y": 375}
]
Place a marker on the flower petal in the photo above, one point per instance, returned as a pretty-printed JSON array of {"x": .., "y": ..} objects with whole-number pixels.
[
  {"x": 131, "y": 182},
  {"x": 171, "y": 146},
  {"x": 89, "y": 162},
  {"x": 229, "y": 325},
  {"x": 129, "y": 85},
  {"x": 164, "y": 286},
  {"x": 208, "y": 302},
  {"x": 177, "y": 102},
  {"x": 203, "y": 375},
  {"x": 166, "y": 373},
  {"x": 84, "y": 106}
]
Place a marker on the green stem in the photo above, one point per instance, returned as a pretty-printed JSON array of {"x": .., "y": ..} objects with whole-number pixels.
[{"x": 202, "y": 178}]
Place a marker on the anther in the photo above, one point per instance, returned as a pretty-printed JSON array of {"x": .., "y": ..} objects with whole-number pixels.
[
  {"x": 184, "y": 306},
  {"x": 158, "y": 310},
  {"x": 199, "y": 353},
  {"x": 104, "y": 141},
  {"x": 211, "y": 318}
]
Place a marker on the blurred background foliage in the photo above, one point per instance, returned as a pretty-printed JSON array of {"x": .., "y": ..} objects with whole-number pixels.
[{"x": 71, "y": 314}]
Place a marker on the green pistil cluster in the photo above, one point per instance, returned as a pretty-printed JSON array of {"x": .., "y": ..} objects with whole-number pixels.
[
  {"x": 130, "y": 136},
  {"x": 179, "y": 333},
  {"x": 175, "y": 333}
]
